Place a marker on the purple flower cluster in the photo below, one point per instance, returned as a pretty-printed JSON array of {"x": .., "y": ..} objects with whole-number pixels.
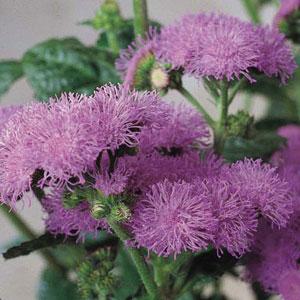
[
  {"x": 231, "y": 198},
  {"x": 274, "y": 261},
  {"x": 211, "y": 45}
]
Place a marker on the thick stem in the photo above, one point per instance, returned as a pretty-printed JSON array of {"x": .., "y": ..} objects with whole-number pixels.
[
  {"x": 138, "y": 260},
  {"x": 113, "y": 42},
  {"x": 223, "y": 114},
  {"x": 197, "y": 105},
  {"x": 24, "y": 229},
  {"x": 252, "y": 10},
  {"x": 140, "y": 17}
]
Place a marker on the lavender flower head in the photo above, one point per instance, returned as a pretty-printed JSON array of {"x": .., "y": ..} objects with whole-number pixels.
[
  {"x": 289, "y": 285},
  {"x": 268, "y": 193},
  {"x": 287, "y": 7},
  {"x": 237, "y": 221},
  {"x": 171, "y": 219},
  {"x": 276, "y": 57},
  {"x": 70, "y": 221},
  {"x": 130, "y": 58},
  {"x": 224, "y": 47},
  {"x": 6, "y": 113}
]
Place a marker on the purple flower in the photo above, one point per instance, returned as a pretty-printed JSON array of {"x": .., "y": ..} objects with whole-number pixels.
[
  {"x": 287, "y": 7},
  {"x": 225, "y": 47},
  {"x": 184, "y": 129},
  {"x": 130, "y": 58},
  {"x": 237, "y": 221},
  {"x": 275, "y": 252},
  {"x": 6, "y": 113},
  {"x": 260, "y": 183},
  {"x": 70, "y": 221},
  {"x": 289, "y": 285},
  {"x": 17, "y": 159},
  {"x": 276, "y": 57},
  {"x": 171, "y": 219}
]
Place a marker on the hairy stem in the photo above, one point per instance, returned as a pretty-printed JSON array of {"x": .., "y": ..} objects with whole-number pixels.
[
  {"x": 252, "y": 10},
  {"x": 140, "y": 17},
  {"x": 138, "y": 260},
  {"x": 189, "y": 97},
  {"x": 24, "y": 229}
]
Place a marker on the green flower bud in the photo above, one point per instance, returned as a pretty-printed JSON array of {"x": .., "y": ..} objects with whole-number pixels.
[
  {"x": 99, "y": 210},
  {"x": 240, "y": 125},
  {"x": 120, "y": 213}
]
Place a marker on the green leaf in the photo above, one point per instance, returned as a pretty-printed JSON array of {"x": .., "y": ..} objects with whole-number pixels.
[
  {"x": 130, "y": 279},
  {"x": 66, "y": 65},
  {"x": 262, "y": 146},
  {"x": 54, "y": 286},
  {"x": 10, "y": 71}
]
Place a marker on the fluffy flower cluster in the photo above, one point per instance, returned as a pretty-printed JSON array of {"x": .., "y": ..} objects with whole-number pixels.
[
  {"x": 231, "y": 198},
  {"x": 274, "y": 261},
  {"x": 219, "y": 46}
]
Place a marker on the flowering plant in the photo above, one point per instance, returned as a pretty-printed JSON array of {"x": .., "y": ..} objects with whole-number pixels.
[{"x": 148, "y": 199}]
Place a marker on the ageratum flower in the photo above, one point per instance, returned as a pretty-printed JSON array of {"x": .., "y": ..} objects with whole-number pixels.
[
  {"x": 75, "y": 221},
  {"x": 237, "y": 221},
  {"x": 171, "y": 219},
  {"x": 269, "y": 194},
  {"x": 139, "y": 53},
  {"x": 287, "y": 7},
  {"x": 17, "y": 159},
  {"x": 6, "y": 113},
  {"x": 224, "y": 47},
  {"x": 276, "y": 57},
  {"x": 289, "y": 285},
  {"x": 183, "y": 130},
  {"x": 275, "y": 253}
]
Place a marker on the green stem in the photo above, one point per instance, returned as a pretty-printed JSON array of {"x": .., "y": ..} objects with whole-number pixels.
[
  {"x": 235, "y": 89},
  {"x": 22, "y": 227},
  {"x": 140, "y": 17},
  {"x": 197, "y": 105},
  {"x": 223, "y": 114},
  {"x": 252, "y": 10},
  {"x": 113, "y": 42},
  {"x": 138, "y": 260}
]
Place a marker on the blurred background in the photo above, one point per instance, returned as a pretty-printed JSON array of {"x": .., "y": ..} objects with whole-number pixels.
[{"x": 24, "y": 23}]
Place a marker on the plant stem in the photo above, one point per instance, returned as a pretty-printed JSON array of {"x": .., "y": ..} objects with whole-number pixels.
[
  {"x": 22, "y": 227},
  {"x": 140, "y": 17},
  {"x": 113, "y": 42},
  {"x": 138, "y": 260},
  {"x": 252, "y": 10},
  {"x": 223, "y": 114},
  {"x": 235, "y": 89},
  {"x": 197, "y": 105}
]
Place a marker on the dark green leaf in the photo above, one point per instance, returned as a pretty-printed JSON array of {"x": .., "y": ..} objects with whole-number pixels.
[
  {"x": 10, "y": 71},
  {"x": 130, "y": 280},
  {"x": 54, "y": 286},
  {"x": 66, "y": 65},
  {"x": 262, "y": 146}
]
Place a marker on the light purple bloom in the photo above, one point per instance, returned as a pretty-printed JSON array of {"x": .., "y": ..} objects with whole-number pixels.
[
  {"x": 6, "y": 113},
  {"x": 287, "y": 7},
  {"x": 276, "y": 57},
  {"x": 128, "y": 62},
  {"x": 171, "y": 219},
  {"x": 237, "y": 220},
  {"x": 289, "y": 285},
  {"x": 260, "y": 183},
  {"x": 70, "y": 221}
]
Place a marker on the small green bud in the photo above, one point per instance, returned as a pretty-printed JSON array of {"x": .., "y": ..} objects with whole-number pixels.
[
  {"x": 120, "y": 213},
  {"x": 240, "y": 124},
  {"x": 72, "y": 199},
  {"x": 99, "y": 210}
]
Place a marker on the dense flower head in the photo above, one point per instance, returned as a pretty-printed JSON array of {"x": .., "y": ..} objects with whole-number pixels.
[
  {"x": 6, "y": 113},
  {"x": 171, "y": 219},
  {"x": 70, "y": 221},
  {"x": 289, "y": 285},
  {"x": 276, "y": 57},
  {"x": 128, "y": 62},
  {"x": 224, "y": 47},
  {"x": 183, "y": 129},
  {"x": 275, "y": 252},
  {"x": 237, "y": 220},
  {"x": 260, "y": 182},
  {"x": 287, "y": 7}
]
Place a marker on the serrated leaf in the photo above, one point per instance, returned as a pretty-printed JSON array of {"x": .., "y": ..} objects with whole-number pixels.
[
  {"x": 10, "y": 71},
  {"x": 130, "y": 279},
  {"x": 66, "y": 65},
  {"x": 54, "y": 286},
  {"x": 262, "y": 146}
]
